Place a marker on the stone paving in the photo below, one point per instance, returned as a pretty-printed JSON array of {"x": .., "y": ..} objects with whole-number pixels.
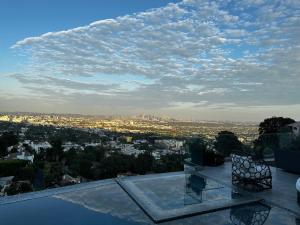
[{"x": 283, "y": 193}]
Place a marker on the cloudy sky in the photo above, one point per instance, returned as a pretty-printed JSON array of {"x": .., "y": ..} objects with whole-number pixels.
[{"x": 200, "y": 59}]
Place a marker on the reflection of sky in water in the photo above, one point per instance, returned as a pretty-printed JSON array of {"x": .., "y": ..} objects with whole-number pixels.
[
  {"x": 170, "y": 192},
  {"x": 109, "y": 199},
  {"x": 50, "y": 211}
]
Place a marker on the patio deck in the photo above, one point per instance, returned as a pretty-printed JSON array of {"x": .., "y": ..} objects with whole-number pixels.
[{"x": 283, "y": 193}]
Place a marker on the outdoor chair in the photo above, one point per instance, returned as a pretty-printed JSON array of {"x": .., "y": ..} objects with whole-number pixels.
[{"x": 250, "y": 173}]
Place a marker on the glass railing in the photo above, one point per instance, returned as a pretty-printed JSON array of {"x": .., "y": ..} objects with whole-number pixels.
[{"x": 273, "y": 147}]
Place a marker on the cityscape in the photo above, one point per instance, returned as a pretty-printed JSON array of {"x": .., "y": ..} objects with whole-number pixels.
[
  {"x": 137, "y": 124},
  {"x": 134, "y": 137}
]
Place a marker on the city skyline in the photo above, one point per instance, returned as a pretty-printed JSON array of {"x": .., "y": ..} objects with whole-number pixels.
[{"x": 190, "y": 59}]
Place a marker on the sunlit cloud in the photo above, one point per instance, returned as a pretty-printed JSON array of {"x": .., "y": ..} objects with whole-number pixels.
[{"x": 196, "y": 53}]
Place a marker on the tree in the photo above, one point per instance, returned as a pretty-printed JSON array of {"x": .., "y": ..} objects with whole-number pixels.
[
  {"x": 269, "y": 129},
  {"x": 169, "y": 163},
  {"x": 56, "y": 152},
  {"x": 212, "y": 158},
  {"x": 144, "y": 163},
  {"x": 6, "y": 140},
  {"x": 296, "y": 144},
  {"x": 26, "y": 173},
  {"x": 227, "y": 142},
  {"x": 265, "y": 144},
  {"x": 11, "y": 167},
  {"x": 115, "y": 164},
  {"x": 71, "y": 156},
  {"x": 290, "y": 143},
  {"x": 94, "y": 153},
  {"x": 273, "y": 125},
  {"x": 52, "y": 173},
  {"x": 197, "y": 148},
  {"x": 85, "y": 168},
  {"x": 18, "y": 187}
]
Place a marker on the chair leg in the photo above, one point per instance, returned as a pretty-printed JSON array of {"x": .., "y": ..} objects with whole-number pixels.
[{"x": 298, "y": 195}]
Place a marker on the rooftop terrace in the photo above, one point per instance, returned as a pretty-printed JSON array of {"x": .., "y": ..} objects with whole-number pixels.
[{"x": 112, "y": 202}]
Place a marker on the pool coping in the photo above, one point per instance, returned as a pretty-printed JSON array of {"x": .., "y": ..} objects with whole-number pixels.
[
  {"x": 158, "y": 217},
  {"x": 54, "y": 191}
]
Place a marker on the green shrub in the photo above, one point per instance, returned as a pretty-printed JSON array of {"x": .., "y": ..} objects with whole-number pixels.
[
  {"x": 227, "y": 142},
  {"x": 19, "y": 187},
  {"x": 11, "y": 167},
  {"x": 27, "y": 173},
  {"x": 212, "y": 158},
  {"x": 52, "y": 173}
]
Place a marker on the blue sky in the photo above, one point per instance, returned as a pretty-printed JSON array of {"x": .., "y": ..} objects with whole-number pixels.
[
  {"x": 199, "y": 59},
  {"x": 21, "y": 19}
]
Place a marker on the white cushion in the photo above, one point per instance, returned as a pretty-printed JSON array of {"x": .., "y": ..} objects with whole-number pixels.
[{"x": 298, "y": 185}]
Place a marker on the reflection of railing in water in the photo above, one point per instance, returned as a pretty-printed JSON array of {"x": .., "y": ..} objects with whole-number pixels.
[
  {"x": 194, "y": 184},
  {"x": 253, "y": 214},
  {"x": 194, "y": 187}
]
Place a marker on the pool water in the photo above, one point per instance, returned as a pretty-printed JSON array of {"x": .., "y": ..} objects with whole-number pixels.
[{"x": 106, "y": 203}]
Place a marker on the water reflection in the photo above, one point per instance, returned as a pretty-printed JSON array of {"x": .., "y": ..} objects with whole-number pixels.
[
  {"x": 254, "y": 214},
  {"x": 193, "y": 189}
]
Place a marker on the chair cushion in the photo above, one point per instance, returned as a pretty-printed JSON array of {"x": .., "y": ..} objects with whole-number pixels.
[{"x": 298, "y": 185}]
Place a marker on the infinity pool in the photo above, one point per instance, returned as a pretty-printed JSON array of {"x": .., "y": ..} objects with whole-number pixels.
[{"x": 107, "y": 203}]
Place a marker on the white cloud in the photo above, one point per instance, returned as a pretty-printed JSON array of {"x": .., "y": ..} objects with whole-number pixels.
[
  {"x": 218, "y": 91},
  {"x": 243, "y": 53}
]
